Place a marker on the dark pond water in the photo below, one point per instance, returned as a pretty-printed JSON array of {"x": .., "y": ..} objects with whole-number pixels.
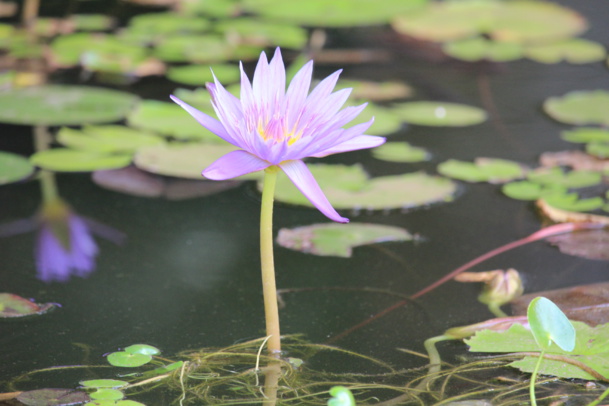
[{"x": 188, "y": 275}]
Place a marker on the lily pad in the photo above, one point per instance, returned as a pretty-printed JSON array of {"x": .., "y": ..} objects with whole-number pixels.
[
  {"x": 338, "y": 240},
  {"x": 199, "y": 75},
  {"x": 572, "y": 202},
  {"x": 598, "y": 149},
  {"x": 92, "y": 22},
  {"x": 375, "y": 91},
  {"x": 104, "y": 383},
  {"x": 168, "y": 118},
  {"x": 71, "y": 160},
  {"x": 482, "y": 170},
  {"x": 107, "y": 139},
  {"x": 477, "y": 49},
  {"x": 572, "y": 179},
  {"x": 263, "y": 33},
  {"x": 52, "y": 397},
  {"x": 400, "y": 152},
  {"x": 439, "y": 114},
  {"x": 142, "y": 349},
  {"x": 64, "y": 105},
  {"x": 125, "y": 359},
  {"x": 550, "y": 325},
  {"x": 398, "y": 191},
  {"x": 12, "y": 305},
  {"x": 580, "y": 107},
  {"x": 167, "y": 23},
  {"x": 573, "y": 50},
  {"x": 216, "y": 8},
  {"x": 14, "y": 168},
  {"x": 385, "y": 120},
  {"x": 586, "y": 134},
  {"x": 106, "y": 394},
  {"x": 526, "y": 190}
]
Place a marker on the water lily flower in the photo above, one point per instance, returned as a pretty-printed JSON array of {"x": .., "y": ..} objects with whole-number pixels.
[{"x": 273, "y": 126}]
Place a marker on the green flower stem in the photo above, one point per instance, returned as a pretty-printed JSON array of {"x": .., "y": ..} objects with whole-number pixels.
[
  {"x": 533, "y": 378},
  {"x": 269, "y": 289},
  {"x": 42, "y": 140}
]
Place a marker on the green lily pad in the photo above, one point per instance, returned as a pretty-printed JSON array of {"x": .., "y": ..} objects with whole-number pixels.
[
  {"x": 385, "y": 120},
  {"x": 125, "y": 359},
  {"x": 199, "y": 75},
  {"x": 580, "y": 107},
  {"x": 263, "y": 33},
  {"x": 477, "y": 49},
  {"x": 92, "y": 22},
  {"x": 142, "y": 349},
  {"x": 199, "y": 98},
  {"x": 167, "y": 23},
  {"x": 216, "y": 8},
  {"x": 52, "y": 397},
  {"x": 128, "y": 402},
  {"x": 399, "y": 191},
  {"x": 107, "y": 139},
  {"x": 180, "y": 160},
  {"x": 106, "y": 394},
  {"x": 336, "y": 13},
  {"x": 400, "y": 152},
  {"x": 571, "y": 202},
  {"x": 375, "y": 91},
  {"x": 586, "y": 134},
  {"x": 598, "y": 149},
  {"x": 15, "y": 306},
  {"x": 572, "y": 179},
  {"x": 573, "y": 50},
  {"x": 526, "y": 190},
  {"x": 482, "y": 170},
  {"x": 104, "y": 383},
  {"x": 332, "y": 239},
  {"x": 14, "y": 168},
  {"x": 168, "y": 118},
  {"x": 439, "y": 114},
  {"x": 71, "y": 160},
  {"x": 550, "y": 325},
  {"x": 64, "y": 105}
]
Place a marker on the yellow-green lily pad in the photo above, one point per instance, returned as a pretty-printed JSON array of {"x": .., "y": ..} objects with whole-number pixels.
[
  {"x": 92, "y": 22},
  {"x": 572, "y": 202},
  {"x": 167, "y": 23},
  {"x": 338, "y": 240},
  {"x": 598, "y": 149},
  {"x": 142, "y": 349},
  {"x": 586, "y": 134},
  {"x": 106, "y": 394},
  {"x": 216, "y": 8},
  {"x": 14, "y": 168},
  {"x": 572, "y": 179},
  {"x": 263, "y": 33},
  {"x": 199, "y": 75},
  {"x": 580, "y": 107},
  {"x": 107, "y": 138},
  {"x": 125, "y": 359},
  {"x": 439, "y": 114},
  {"x": 400, "y": 152},
  {"x": 385, "y": 120},
  {"x": 64, "y": 105},
  {"x": 482, "y": 170},
  {"x": 71, "y": 160},
  {"x": 478, "y": 48},
  {"x": 573, "y": 50},
  {"x": 527, "y": 190},
  {"x": 104, "y": 383}
]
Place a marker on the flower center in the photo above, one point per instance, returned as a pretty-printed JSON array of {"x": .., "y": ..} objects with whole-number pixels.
[{"x": 275, "y": 129}]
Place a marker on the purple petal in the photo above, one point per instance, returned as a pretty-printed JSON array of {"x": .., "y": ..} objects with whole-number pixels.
[
  {"x": 234, "y": 164},
  {"x": 359, "y": 142},
  {"x": 298, "y": 173},
  {"x": 206, "y": 121},
  {"x": 296, "y": 94}
]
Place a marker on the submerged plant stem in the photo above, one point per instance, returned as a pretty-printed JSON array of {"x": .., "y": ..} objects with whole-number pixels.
[
  {"x": 267, "y": 262},
  {"x": 534, "y": 378}
]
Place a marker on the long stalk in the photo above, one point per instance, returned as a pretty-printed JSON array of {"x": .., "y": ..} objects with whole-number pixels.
[{"x": 267, "y": 262}]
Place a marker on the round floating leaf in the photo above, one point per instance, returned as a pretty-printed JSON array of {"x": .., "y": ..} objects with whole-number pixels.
[
  {"x": 549, "y": 324},
  {"x": 482, "y": 170},
  {"x": 571, "y": 202},
  {"x": 15, "y": 306},
  {"x": 125, "y": 359},
  {"x": 263, "y": 33},
  {"x": 598, "y": 149},
  {"x": 170, "y": 119},
  {"x": 439, "y": 114},
  {"x": 107, "y": 139},
  {"x": 163, "y": 24},
  {"x": 216, "y": 8},
  {"x": 580, "y": 107},
  {"x": 476, "y": 49},
  {"x": 92, "y": 22},
  {"x": 14, "y": 168},
  {"x": 63, "y": 105},
  {"x": 400, "y": 152},
  {"x": 107, "y": 394},
  {"x": 526, "y": 190},
  {"x": 375, "y": 91},
  {"x": 332, "y": 239},
  {"x": 586, "y": 134},
  {"x": 385, "y": 120},
  {"x": 70, "y": 160},
  {"x": 127, "y": 402},
  {"x": 103, "y": 403},
  {"x": 199, "y": 75},
  {"x": 573, "y": 179},
  {"x": 142, "y": 349},
  {"x": 399, "y": 191},
  {"x": 104, "y": 383},
  {"x": 573, "y": 50},
  {"x": 336, "y": 13},
  {"x": 52, "y": 397}
]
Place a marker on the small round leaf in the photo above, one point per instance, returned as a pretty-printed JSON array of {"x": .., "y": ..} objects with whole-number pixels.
[
  {"x": 124, "y": 359},
  {"x": 142, "y": 349},
  {"x": 549, "y": 324}
]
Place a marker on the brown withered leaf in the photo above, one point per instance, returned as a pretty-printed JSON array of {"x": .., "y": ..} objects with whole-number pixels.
[
  {"x": 593, "y": 244},
  {"x": 575, "y": 159},
  {"x": 586, "y": 303}
]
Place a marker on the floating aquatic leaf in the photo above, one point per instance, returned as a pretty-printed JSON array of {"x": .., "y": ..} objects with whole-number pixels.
[
  {"x": 71, "y": 160},
  {"x": 103, "y": 383},
  {"x": 439, "y": 114},
  {"x": 526, "y": 190},
  {"x": 400, "y": 152},
  {"x": 593, "y": 244},
  {"x": 107, "y": 138},
  {"x": 106, "y": 394},
  {"x": 91, "y": 22},
  {"x": 571, "y": 202},
  {"x": 52, "y": 397},
  {"x": 482, "y": 170},
  {"x": 573, "y": 50},
  {"x": 336, "y": 13},
  {"x": 477, "y": 49},
  {"x": 142, "y": 349},
  {"x": 385, "y": 120},
  {"x": 193, "y": 48},
  {"x": 198, "y": 75},
  {"x": 586, "y": 134},
  {"x": 580, "y": 107},
  {"x": 572, "y": 179},
  {"x": 64, "y": 105},
  {"x": 263, "y": 33},
  {"x": 216, "y": 8},
  {"x": 14, "y": 168},
  {"x": 341, "y": 396},
  {"x": 12, "y": 305},
  {"x": 331, "y": 239},
  {"x": 376, "y": 91},
  {"x": 128, "y": 402},
  {"x": 125, "y": 359},
  {"x": 169, "y": 119},
  {"x": 598, "y": 149},
  {"x": 399, "y": 191},
  {"x": 550, "y": 325},
  {"x": 167, "y": 23}
]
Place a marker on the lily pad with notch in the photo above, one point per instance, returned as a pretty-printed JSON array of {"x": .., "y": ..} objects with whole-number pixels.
[
  {"x": 400, "y": 152},
  {"x": 108, "y": 139},
  {"x": 125, "y": 359},
  {"x": 572, "y": 50},
  {"x": 439, "y": 114},
  {"x": 580, "y": 107},
  {"x": 71, "y": 160},
  {"x": 491, "y": 170},
  {"x": 14, "y": 168}
]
